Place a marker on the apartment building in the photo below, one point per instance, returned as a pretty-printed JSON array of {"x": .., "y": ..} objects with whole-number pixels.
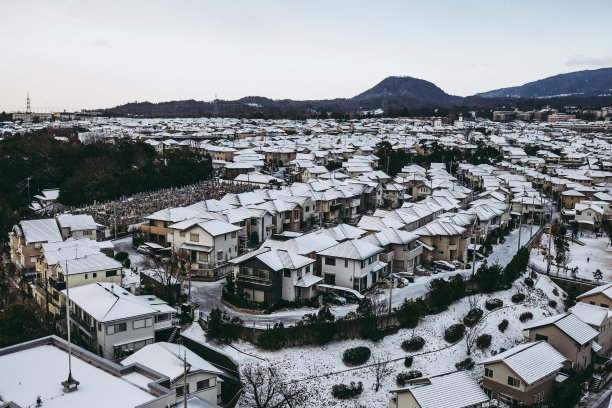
[{"x": 26, "y": 238}]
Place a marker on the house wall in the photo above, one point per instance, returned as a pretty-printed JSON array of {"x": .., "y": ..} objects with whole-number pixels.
[
  {"x": 158, "y": 230},
  {"x": 597, "y": 299},
  {"x": 346, "y": 275},
  {"x": 580, "y": 356},
  {"x": 209, "y": 394},
  {"x": 524, "y": 394},
  {"x": 406, "y": 400},
  {"x": 109, "y": 341}
]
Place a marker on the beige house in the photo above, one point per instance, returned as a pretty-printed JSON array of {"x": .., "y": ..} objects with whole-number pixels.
[
  {"x": 80, "y": 226},
  {"x": 525, "y": 374},
  {"x": 599, "y": 296},
  {"x": 26, "y": 239},
  {"x": 569, "y": 335},
  {"x": 444, "y": 241},
  {"x": 435, "y": 391},
  {"x": 600, "y": 319},
  {"x": 170, "y": 359}
]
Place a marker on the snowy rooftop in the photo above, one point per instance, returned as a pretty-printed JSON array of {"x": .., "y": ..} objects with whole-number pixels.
[
  {"x": 45, "y": 230},
  {"x": 24, "y": 377},
  {"x": 569, "y": 324},
  {"x": 88, "y": 263},
  {"x": 276, "y": 259},
  {"x": 352, "y": 249},
  {"x": 167, "y": 359},
  {"x": 77, "y": 222},
  {"x": 530, "y": 361},
  {"x": 435, "y": 392}
]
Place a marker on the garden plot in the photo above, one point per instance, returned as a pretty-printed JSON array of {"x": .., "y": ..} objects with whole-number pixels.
[{"x": 318, "y": 368}]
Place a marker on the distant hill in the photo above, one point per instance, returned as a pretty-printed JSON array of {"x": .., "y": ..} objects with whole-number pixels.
[
  {"x": 405, "y": 86},
  {"x": 596, "y": 82},
  {"x": 397, "y": 96}
]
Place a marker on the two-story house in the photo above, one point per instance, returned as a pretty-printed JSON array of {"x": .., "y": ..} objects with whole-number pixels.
[
  {"x": 26, "y": 238},
  {"x": 111, "y": 320},
  {"x": 269, "y": 275},
  {"x": 435, "y": 392},
  {"x": 444, "y": 241},
  {"x": 572, "y": 337},
  {"x": 402, "y": 250},
  {"x": 600, "y": 319},
  {"x": 599, "y": 296},
  {"x": 173, "y": 360},
  {"x": 78, "y": 226},
  {"x": 353, "y": 264},
  {"x": 525, "y": 374}
]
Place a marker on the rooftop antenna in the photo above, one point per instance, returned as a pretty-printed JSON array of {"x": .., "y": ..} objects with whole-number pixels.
[
  {"x": 28, "y": 108},
  {"x": 70, "y": 384}
]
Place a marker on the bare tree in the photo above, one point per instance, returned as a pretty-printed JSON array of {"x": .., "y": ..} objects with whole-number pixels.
[
  {"x": 168, "y": 272},
  {"x": 471, "y": 335},
  {"x": 381, "y": 371},
  {"x": 264, "y": 388},
  {"x": 472, "y": 302}
]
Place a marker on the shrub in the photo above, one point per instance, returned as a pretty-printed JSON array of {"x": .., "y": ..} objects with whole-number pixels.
[
  {"x": 503, "y": 325},
  {"x": 526, "y": 316},
  {"x": 402, "y": 378},
  {"x": 454, "y": 333},
  {"x": 414, "y": 343},
  {"x": 555, "y": 292},
  {"x": 552, "y": 303},
  {"x": 410, "y": 312},
  {"x": 356, "y": 355},
  {"x": 408, "y": 361},
  {"x": 274, "y": 338},
  {"x": 529, "y": 282},
  {"x": 434, "y": 310},
  {"x": 492, "y": 304},
  {"x": 473, "y": 316},
  {"x": 124, "y": 258},
  {"x": 518, "y": 297},
  {"x": 466, "y": 364},
  {"x": 343, "y": 391},
  {"x": 483, "y": 341}
]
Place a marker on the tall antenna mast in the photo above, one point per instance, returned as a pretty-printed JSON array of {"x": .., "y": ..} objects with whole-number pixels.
[
  {"x": 28, "y": 108},
  {"x": 70, "y": 384}
]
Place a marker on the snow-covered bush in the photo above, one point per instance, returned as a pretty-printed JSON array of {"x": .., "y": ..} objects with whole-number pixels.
[
  {"x": 414, "y": 343},
  {"x": 483, "y": 341},
  {"x": 356, "y": 355},
  {"x": 466, "y": 364},
  {"x": 503, "y": 325},
  {"x": 408, "y": 361},
  {"x": 402, "y": 378},
  {"x": 552, "y": 303},
  {"x": 454, "y": 333},
  {"x": 492, "y": 304},
  {"x": 518, "y": 297},
  {"x": 473, "y": 316},
  {"x": 343, "y": 391},
  {"x": 525, "y": 316},
  {"x": 529, "y": 282}
]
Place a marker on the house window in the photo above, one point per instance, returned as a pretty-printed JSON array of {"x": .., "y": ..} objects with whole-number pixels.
[
  {"x": 111, "y": 273},
  {"x": 262, "y": 273},
  {"x": 95, "y": 275},
  {"x": 162, "y": 238},
  {"x": 85, "y": 276},
  {"x": 346, "y": 263},
  {"x": 441, "y": 252},
  {"x": 139, "y": 324},
  {"x": 363, "y": 264},
  {"x": 182, "y": 234},
  {"x": 166, "y": 223},
  {"x": 179, "y": 391},
  {"x": 200, "y": 385},
  {"x": 308, "y": 269},
  {"x": 253, "y": 221},
  {"x": 225, "y": 237},
  {"x": 234, "y": 234},
  {"x": 330, "y": 279},
  {"x": 605, "y": 305},
  {"x": 488, "y": 372},
  {"x": 514, "y": 382},
  {"x": 194, "y": 237},
  {"x": 307, "y": 208},
  {"x": 88, "y": 232},
  {"x": 247, "y": 271},
  {"x": 330, "y": 261},
  {"x": 219, "y": 255},
  {"x": 152, "y": 223},
  {"x": 539, "y": 336},
  {"x": 287, "y": 273},
  {"x": 116, "y": 328}
]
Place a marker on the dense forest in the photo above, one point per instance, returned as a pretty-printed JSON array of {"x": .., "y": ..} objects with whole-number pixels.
[{"x": 86, "y": 173}]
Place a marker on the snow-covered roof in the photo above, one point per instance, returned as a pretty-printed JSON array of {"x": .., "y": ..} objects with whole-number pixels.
[
  {"x": 107, "y": 302},
  {"x": 77, "y": 222},
  {"x": 605, "y": 290},
  {"x": 45, "y": 230},
  {"x": 88, "y": 263},
  {"x": 569, "y": 324},
  {"x": 456, "y": 389},
  {"x": 591, "y": 314},
  {"x": 352, "y": 249},
  {"x": 530, "y": 361},
  {"x": 167, "y": 359},
  {"x": 276, "y": 259}
]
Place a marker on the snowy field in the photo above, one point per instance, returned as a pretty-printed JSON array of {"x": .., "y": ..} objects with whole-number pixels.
[
  {"x": 596, "y": 250},
  {"x": 320, "y": 367}
]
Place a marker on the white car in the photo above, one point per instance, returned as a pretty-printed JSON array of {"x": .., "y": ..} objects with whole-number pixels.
[
  {"x": 143, "y": 249},
  {"x": 447, "y": 266}
]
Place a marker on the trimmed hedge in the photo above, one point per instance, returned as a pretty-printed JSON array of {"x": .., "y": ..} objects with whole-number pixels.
[
  {"x": 466, "y": 364},
  {"x": 402, "y": 378},
  {"x": 483, "y": 341},
  {"x": 529, "y": 282},
  {"x": 413, "y": 344},
  {"x": 356, "y": 355},
  {"x": 526, "y": 316},
  {"x": 518, "y": 297},
  {"x": 343, "y": 391},
  {"x": 492, "y": 304},
  {"x": 454, "y": 333},
  {"x": 503, "y": 325},
  {"x": 552, "y": 303},
  {"x": 473, "y": 316}
]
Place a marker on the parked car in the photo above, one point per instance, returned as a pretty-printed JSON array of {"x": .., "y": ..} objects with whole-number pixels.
[
  {"x": 334, "y": 299},
  {"x": 407, "y": 275},
  {"x": 143, "y": 249},
  {"x": 446, "y": 266},
  {"x": 351, "y": 298}
]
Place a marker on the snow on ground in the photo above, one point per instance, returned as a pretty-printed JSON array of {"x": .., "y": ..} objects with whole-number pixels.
[
  {"x": 320, "y": 367},
  {"x": 597, "y": 250},
  {"x": 125, "y": 245}
]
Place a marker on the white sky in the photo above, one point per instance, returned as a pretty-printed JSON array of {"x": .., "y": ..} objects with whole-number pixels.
[{"x": 89, "y": 54}]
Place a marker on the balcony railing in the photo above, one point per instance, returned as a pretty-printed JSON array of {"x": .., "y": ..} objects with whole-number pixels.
[
  {"x": 416, "y": 252},
  {"x": 335, "y": 207},
  {"x": 255, "y": 279},
  {"x": 85, "y": 326},
  {"x": 57, "y": 284},
  {"x": 387, "y": 256}
]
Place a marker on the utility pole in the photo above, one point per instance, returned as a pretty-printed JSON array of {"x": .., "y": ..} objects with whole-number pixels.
[
  {"x": 185, "y": 379},
  {"x": 29, "y": 178},
  {"x": 521, "y": 219},
  {"x": 115, "y": 217},
  {"x": 474, "y": 254},
  {"x": 391, "y": 294}
]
